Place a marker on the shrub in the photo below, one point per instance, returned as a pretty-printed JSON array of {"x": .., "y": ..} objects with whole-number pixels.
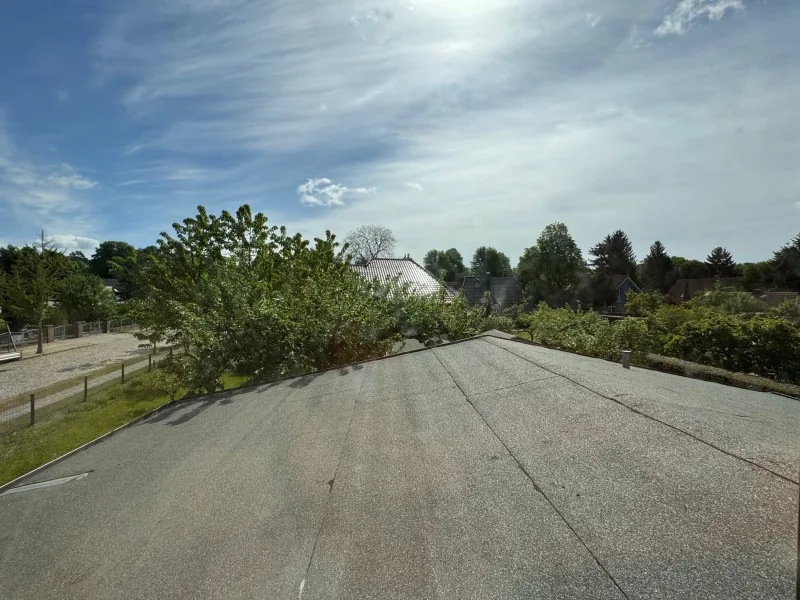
[
  {"x": 774, "y": 348},
  {"x": 644, "y": 304},
  {"x": 499, "y": 322}
]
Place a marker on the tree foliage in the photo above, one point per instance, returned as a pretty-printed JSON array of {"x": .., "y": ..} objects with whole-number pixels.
[
  {"x": 84, "y": 298},
  {"x": 105, "y": 253},
  {"x": 549, "y": 269},
  {"x": 370, "y": 241},
  {"x": 657, "y": 269},
  {"x": 26, "y": 292},
  {"x": 447, "y": 263},
  {"x": 238, "y": 294},
  {"x": 720, "y": 262},
  {"x": 490, "y": 260},
  {"x": 785, "y": 265},
  {"x": 688, "y": 268},
  {"x": 614, "y": 256}
]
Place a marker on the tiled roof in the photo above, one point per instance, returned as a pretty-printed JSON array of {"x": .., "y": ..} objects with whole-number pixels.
[
  {"x": 686, "y": 289},
  {"x": 419, "y": 280},
  {"x": 775, "y": 298},
  {"x": 505, "y": 290}
]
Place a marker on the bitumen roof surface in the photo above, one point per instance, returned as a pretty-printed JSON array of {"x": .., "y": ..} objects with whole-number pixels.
[{"x": 480, "y": 469}]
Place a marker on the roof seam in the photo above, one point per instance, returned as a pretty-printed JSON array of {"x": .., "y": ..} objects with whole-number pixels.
[
  {"x": 646, "y": 416},
  {"x": 531, "y": 479},
  {"x": 330, "y": 488}
]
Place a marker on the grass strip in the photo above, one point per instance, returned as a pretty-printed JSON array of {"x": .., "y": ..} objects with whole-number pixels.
[{"x": 107, "y": 408}]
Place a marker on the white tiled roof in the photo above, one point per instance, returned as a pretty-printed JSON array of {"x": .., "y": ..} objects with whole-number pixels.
[{"x": 419, "y": 280}]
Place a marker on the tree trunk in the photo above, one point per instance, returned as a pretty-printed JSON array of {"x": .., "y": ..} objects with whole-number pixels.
[{"x": 39, "y": 349}]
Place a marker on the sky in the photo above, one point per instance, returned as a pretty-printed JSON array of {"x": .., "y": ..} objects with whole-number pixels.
[{"x": 455, "y": 123}]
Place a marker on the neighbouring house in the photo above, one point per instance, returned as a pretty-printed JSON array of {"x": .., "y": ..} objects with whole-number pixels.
[
  {"x": 420, "y": 281},
  {"x": 623, "y": 285},
  {"x": 684, "y": 290},
  {"x": 773, "y": 299},
  {"x": 504, "y": 290}
]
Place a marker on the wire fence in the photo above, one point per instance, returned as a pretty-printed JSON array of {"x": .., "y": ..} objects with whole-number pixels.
[
  {"x": 28, "y": 409},
  {"x": 93, "y": 328},
  {"x": 118, "y": 324},
  {"x": 18, "y": 338}
]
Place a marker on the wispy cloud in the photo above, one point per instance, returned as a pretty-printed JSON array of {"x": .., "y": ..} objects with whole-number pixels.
[
  {"x": 324, "y": 192},
  {"x": 414, "y": 186},
  {"x": 66, "y": 177},
  {"x": 689, "y": 12},
  {"x": 35, "y": 190},
  {"x": 513, "y": 114},
  {"x": 593, "y": 19}
]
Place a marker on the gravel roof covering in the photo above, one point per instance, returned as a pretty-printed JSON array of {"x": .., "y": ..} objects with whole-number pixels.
[{"x": 486, "y": 468}]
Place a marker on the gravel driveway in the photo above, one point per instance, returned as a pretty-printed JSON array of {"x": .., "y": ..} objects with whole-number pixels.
[{"x": 65, "y": 359}]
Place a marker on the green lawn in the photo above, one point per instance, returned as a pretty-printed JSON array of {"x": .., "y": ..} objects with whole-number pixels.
[{"x": 104, "y": 411}]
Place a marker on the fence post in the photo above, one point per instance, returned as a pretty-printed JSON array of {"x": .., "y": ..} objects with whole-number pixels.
[
  {"x": 85, "y": 388},
  {"x": 123, "y": 373},
  {"x": 33, "y": 409}
]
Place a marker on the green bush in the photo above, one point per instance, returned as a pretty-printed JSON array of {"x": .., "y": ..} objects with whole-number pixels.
[
  {"x": 499, "y": 322},
  {"x": 762, "y": 345},
  {"x": 644, "y": 304}
]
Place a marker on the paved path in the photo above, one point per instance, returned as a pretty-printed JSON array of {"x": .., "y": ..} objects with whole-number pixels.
[{"x": 64, "y": 360}]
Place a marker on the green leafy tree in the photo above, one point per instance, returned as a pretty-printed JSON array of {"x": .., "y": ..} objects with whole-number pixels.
[
  {"x": 105, "y": 253},
  {"x": 720, "y": 263},
  {"x": 657, "y": 268},
  {"x": 644, "y": 304},
  {"x": 27, "y": 292},
  {"x": 490, "y": 260},
  {"x": 84, "y": 298},
  {"x": 755, "y": 276},
  {"x": 687, "y": 268},
  {"x": 238, "y": 294},
  {"x": 550, "y": 268},
  {"x": 785, "y": 265},
  {"x": 614, "y": 256},
  {"x": 449, "y": 263}
]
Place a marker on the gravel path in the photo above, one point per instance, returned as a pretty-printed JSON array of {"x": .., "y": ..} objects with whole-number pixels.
[{"x": 66, "y": 359}]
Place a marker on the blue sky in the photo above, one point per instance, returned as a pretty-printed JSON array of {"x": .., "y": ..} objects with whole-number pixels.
[{"x": 453, "y": 122}]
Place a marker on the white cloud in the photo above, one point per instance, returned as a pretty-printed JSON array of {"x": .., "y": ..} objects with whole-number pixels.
[
  {"x": 324, "y": 192},
  {"x": 414, "y": 186},
  {"x": 71, "y": 243},
  {"x": 508, "y": 111},
  {"x": 689, "y": 12}
]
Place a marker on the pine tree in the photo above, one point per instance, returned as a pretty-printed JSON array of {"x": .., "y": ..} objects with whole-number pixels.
[
  {"x": 614, "y": 256},
  {"x": 720, "y": 262},
  {"x": 657, "y": 268},
  {"x": 785, "y": 265}
]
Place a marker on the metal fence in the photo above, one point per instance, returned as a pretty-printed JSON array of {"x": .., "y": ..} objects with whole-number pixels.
[
  {"x": 123, "y": 323},
  {"x": 93, "y": 328},
  {"x": 19, "y": 338}
]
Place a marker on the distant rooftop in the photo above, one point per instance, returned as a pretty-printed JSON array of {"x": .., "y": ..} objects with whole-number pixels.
[{"x": 421, "y": 281}]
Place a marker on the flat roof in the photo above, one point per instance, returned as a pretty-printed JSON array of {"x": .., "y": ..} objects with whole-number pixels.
[{"x": 481, "y": 469}]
